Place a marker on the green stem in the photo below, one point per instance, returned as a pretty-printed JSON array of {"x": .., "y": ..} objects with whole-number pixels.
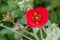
[
  {"x": 21, "y": 38},
  {"x": 27, "y": 32},
  {"x": 24, "y": 30},
  {"x": 44, "y": 30},
  {"x": 16, "y": 32},
  {"x": 35, "y": 34},
  {"x": 58, "y": 16},
  {"x": 41, "y": 34},
  {"x": 12, "y": 22},
  {"x": 27, "y": 37},
  {"x": 52, "y": 5}
]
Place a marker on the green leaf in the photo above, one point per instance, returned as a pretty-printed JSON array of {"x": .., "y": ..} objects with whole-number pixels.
[
  {"x": 13, "y": 4},
  {"x": 1, "y": 17},
  {"x": 7, "y": 23},
  {"x": 57, "y": 3},
  {"x": 35, "y": 30},
  {"x": 4, "y": 9},
  {"x": 2, "y": 38},
  {"x": 11, "y": 36},
  {"x": 59, "y": 38},
  {"x": 22, "y": 20},
  {"x": 16, "y": 36},
  {"x": 49, "y": 7},
  {"x": 48, "y": 23},
  {"x": 18, "y": 13},
  {"x": 5, "y": 31},
  {"x": 53, "y": 17}
]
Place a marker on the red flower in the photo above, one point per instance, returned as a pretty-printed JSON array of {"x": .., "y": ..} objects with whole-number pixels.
[{"x": 37, "y": 18}]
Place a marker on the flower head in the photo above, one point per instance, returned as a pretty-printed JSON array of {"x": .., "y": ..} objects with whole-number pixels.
[
  {"x": 8, "y": 17},
  {"x": 37, "y": 18}
]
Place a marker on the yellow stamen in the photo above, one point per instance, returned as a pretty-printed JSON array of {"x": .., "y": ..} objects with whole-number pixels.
[{"x": 37, "y": 17}]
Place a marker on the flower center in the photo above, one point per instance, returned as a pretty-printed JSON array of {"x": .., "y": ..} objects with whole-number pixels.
[{"x": 36, "y": 18}]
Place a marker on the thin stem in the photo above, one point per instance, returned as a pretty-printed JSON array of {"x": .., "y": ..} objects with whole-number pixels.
[
  {"x": 12, "y": 22},
  {"x": 27, "y": 32},
  {"x": 21, "y": 38},
  {"x": 24, "y": 30},
  {"x": 44, "y": 30},
  {"x": 58, "y": 15},
  {"x": 16, "y": 32},
  {"x": 52, "y": 5},
  {"x": 35, "y": 34},
  {"x": 27, "y": 37},
  {"x": 41, "y": 34}
]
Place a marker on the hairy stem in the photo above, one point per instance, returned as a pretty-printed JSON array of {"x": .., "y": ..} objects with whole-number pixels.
[
  {"x": 44, "y": 30},
  {"x": 16, "y": 32},
  {"x": 35, "y": 34},
  {"x": 41, "y": 34}
]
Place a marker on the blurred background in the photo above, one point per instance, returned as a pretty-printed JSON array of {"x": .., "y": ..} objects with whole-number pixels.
[{"x": 13, "y": 11}]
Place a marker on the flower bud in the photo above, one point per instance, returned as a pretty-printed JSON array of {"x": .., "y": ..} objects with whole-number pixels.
[
  {"x": 18, "y": 27},
  {"x": 8, "y": 17}
]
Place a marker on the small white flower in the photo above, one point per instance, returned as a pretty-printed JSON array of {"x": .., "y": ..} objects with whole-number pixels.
[
  {"x": 53, "y": 32},
  {"x": 18, "y": 27},
  {"x": 21, "y": 5}
]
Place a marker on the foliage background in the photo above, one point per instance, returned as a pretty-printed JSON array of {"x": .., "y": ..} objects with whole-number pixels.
[{"x": 53, "y": 6}]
